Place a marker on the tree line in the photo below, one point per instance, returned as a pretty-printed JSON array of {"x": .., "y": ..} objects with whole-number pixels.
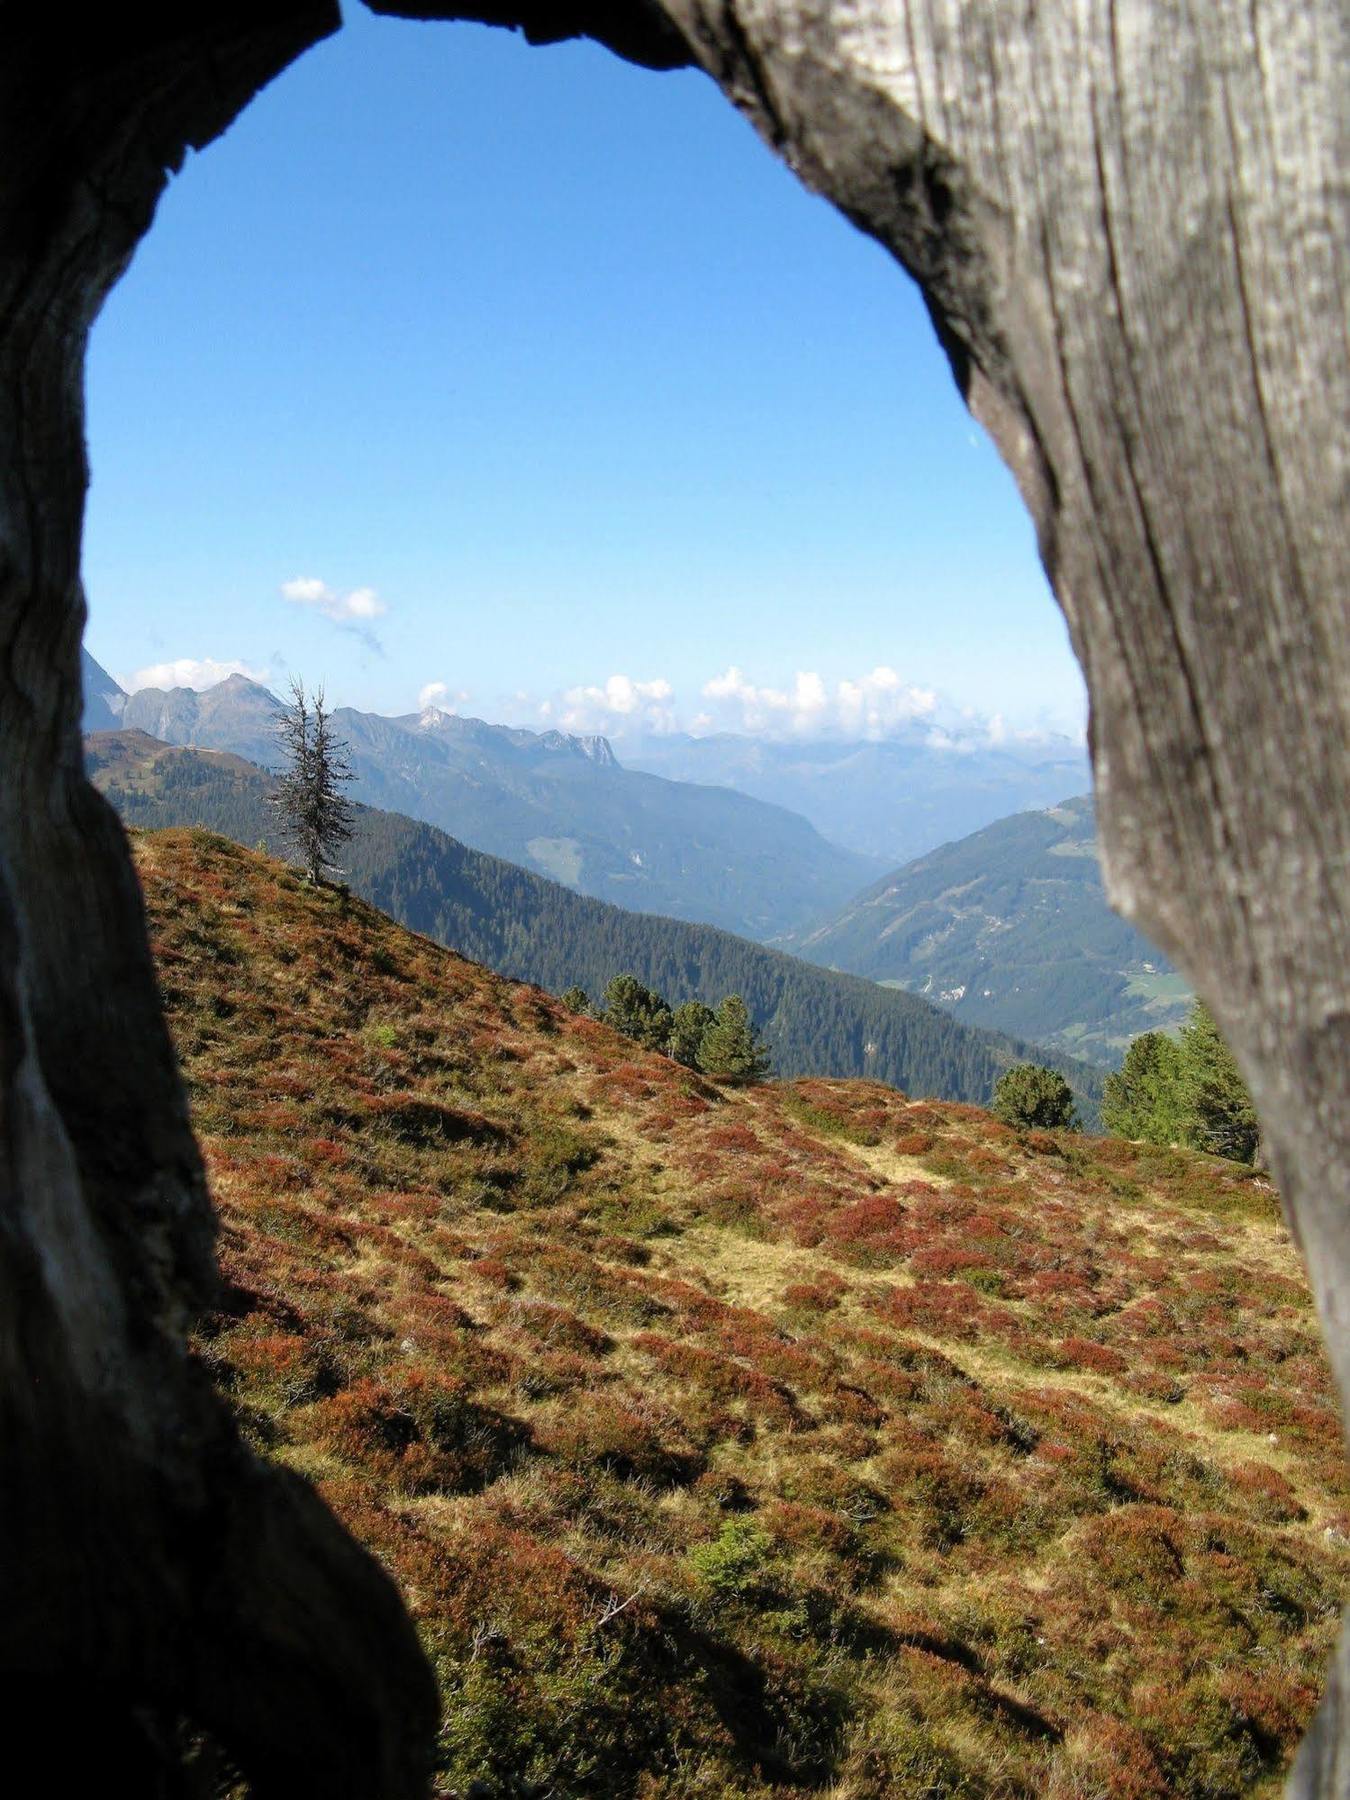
[{"x": 721, "y": 1043}]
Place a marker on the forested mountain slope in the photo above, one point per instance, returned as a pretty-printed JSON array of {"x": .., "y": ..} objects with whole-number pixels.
[
  {"x": 1011, "y": 928},
  {"x": 816, "y": 1022},
  {"x": 559, "y": 804},
  {"x": 752, "y": 1443}
]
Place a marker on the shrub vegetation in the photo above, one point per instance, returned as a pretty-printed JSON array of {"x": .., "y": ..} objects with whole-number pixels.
[
  {"x": 1032, "y": 1095},
  {"x": 750, "y": 1441}
]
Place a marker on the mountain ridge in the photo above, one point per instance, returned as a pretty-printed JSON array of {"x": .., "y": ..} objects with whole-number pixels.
[
  {"x": 523, "y": 925},
  {"x": 892, "y": 798},
  {"x": 563, "y": 805},
  {"x": 1010, "y": 928}
]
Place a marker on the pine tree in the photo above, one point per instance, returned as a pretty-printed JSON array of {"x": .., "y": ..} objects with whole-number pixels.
[
  {"x": 688, "y": 1028},
  {"x": 308, "y": 799},
  {"x": 1220, "y": 1115},
  {"x": 1191, "y": 1092},
  {"x": 1029, "y": 1094},
  {"x": 731, "y": 1049},
  {"x": 1145, "y": 1099},
  {"x": 637, "y": 1011},
  {"x": 576, "y": 999}
]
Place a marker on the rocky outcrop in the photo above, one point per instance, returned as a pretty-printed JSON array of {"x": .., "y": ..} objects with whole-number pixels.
[{"x": 1129, "y": 226}]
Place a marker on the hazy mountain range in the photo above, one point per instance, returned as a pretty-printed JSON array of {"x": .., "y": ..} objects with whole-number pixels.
[
  {"x": 894, "y": 799},
  {"x": 1010, "y": 928},
  {"x": 816, "y": 1021},
  {"x": 561, "y": 805},
  {"x": 1006, "y": 927}
]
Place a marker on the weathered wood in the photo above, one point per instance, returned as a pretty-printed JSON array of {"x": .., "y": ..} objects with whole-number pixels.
[
  {"x": 1129, "y": 221},
  {"x": 151, "y": 1568}
]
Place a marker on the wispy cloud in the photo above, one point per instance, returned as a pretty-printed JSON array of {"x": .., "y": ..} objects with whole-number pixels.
[
  {"x": 189, "y": 672},
  {"x": 353, "y": 611}
]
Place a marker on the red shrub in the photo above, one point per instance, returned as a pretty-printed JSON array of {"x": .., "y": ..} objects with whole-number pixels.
[
  {"x": 1082, "y": 1353},
  {"x": 1272, "y": 1499},
  {"x": 913, "y": 1143},
  {"x": 810, "y": 1297}
]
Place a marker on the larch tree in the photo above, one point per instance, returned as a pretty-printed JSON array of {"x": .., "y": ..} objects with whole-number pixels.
[{"x": 309, "y": 802}]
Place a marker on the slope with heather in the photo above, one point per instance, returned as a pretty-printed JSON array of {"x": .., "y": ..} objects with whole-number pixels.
[
  {"x": 816, "y": 1022},
  {"x": 765, "y": 1442}
]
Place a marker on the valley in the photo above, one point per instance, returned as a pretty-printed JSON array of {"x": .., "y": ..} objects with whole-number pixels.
[
  {"x": 815, "y": 1021},
  {"x": 1010, "y": 929},
  {"x": 557, "y": 803}
]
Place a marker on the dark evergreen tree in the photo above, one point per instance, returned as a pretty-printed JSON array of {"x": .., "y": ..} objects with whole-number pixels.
[
  {"x": 1030, "y": 1094},
  {"x": 1191, "y": 1092},
  {"x": 311, "y": 809},
  {"x": 576, "y": 999},
  {"x": 730, "y": 1048},
  {"x": 1220, "y": 1116},
  {"x": 688, "y": 1027},
  {"x": 638, "y": 1012},
  {"x": 1145, "y": 1099}
]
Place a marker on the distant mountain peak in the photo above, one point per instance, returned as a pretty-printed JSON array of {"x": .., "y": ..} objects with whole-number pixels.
[
  {"x": 598, "y": 750},
  {"x": 104, "y": 700}
]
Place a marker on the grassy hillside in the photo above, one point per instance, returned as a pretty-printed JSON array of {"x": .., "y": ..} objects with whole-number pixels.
[
  {"x": 764, "y": 1443},
  {"x": 1010, "y": 928},
  {"x": 520, "y": 924}
]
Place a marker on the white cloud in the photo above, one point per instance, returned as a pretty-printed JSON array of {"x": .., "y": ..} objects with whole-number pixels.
[
  {"x": 875, "y": 705},
  {"x": 439, "y": 695},
  {"x": 188, "y": 672},
  {"x": 354, "y": 609},
  {"x": 618, "y": 703},
  {"x": 940, "y": 739}
]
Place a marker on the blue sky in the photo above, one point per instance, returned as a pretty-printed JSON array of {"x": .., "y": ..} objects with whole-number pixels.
[{"x": 533, "y": 379}]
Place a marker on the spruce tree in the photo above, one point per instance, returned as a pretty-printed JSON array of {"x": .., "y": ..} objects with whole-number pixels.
[
  {"x": 308, "y": 800},
  {"x": 731, "y": 1049},
  {"x": 688, "y": 1028},
  {"x": 638, "y": 1012},
  {"x": 1220, "y": 1115},
  {"x": 1145, "y": 1099}
]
